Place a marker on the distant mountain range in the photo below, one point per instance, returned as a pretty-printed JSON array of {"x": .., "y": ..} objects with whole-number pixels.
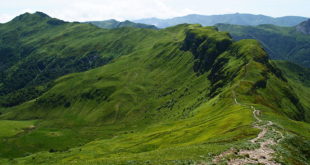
[
  {"x": 112, "y": 24},
  {"x": 285, "y": 43},
  {"x": 237, "y": 19}
]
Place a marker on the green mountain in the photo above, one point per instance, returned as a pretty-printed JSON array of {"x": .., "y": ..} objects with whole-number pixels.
[
  {"x": 35, "y": 49},
  {"x": 112, "y": 24},
  {"x": 285, "y": 43},
  {"x": 237, "y": 19},
  {"x": 182, "y": 95}
]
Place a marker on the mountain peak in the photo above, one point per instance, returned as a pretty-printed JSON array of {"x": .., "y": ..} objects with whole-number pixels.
[
  {"x": 30, "y": 17},
  {"x": 304, "y": 27},
  {"x": 41, "y": 14}
]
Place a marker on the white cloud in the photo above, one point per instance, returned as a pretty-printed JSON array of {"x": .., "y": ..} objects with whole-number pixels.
[
  {"x": 6, "y": 17},
  {"x": 120, "y": 9}
]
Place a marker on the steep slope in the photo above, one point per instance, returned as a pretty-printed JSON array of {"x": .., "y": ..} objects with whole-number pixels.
[
  {"x": 112, "y": 24},
  {"x": 237, "y": 19},
  {"x": 299, "y": 80},
  {"x": 284, "y": 43},
  {"x": 185, "y": 96},
  {"x": 304, "y": 27},
  {"x": 35, "y": 49}
]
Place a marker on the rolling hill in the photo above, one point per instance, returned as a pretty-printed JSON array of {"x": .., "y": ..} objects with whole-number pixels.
[
  {"x": 237, "y": 19},
  {"x": 181, "y": 95}
]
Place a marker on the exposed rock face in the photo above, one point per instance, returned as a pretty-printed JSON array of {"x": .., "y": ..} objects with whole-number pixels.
[{"x": 304, "y": 27}]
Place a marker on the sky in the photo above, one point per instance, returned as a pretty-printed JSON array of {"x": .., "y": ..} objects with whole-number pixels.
[{"x": 90, "y": 10}]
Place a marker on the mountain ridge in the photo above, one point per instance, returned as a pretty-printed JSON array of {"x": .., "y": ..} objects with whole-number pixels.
[
  {"x": 283, "y": 43},
  {"x": 111, "y": 24},
  {"x": 210, "y": 20}
]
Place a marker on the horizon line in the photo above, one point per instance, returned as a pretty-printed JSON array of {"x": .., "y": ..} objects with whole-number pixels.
[{"x": 235, "y": 13}]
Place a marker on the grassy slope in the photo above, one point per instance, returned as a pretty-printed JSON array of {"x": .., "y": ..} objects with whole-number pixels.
[
  {"x": 37, "y": 49},
  {"x": 11, "y": 128},
  {"x": 298, "y": 78},
  {"x": 298, "y": 133},
  {"x": 282, "y": 43},
  {"x": 154, "y": 105},
  {"x": 151, "y": 106}
]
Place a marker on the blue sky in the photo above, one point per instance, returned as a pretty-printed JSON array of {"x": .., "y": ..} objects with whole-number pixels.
[{"x": 85, "y": 10}]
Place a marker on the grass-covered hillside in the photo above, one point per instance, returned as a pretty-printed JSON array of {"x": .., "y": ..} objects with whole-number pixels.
[
  {"x": 282, "y": 43},
  {"x": 35, "y": 49},
  {"x": 182, "y": 95}
]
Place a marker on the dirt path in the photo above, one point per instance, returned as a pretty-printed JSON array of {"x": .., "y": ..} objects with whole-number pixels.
[
  {"x": 256, "y": 113},
  {"x": 116, "y": 111},
  {"x": 235, "y": 98},
  {"x": 263, "y": 154}
]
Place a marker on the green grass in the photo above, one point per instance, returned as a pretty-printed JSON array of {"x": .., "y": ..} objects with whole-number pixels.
[
  {"x": 35, "y": 52},
  {"x": 10, "y": 128},
  {"x": 145, "y": 101},
  {"x": 299, "y": 80},
  {"x": 197, "y": 138}
]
